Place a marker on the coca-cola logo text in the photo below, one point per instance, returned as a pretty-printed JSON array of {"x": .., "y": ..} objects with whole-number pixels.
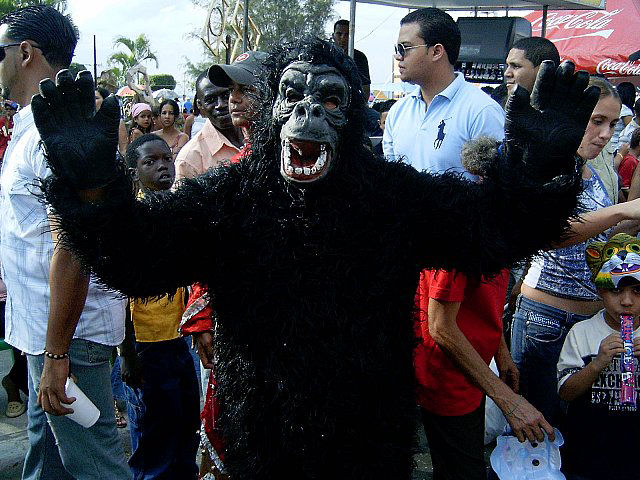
[
  {"x": 610, "y": 67},
  {"x": 589, "y": 20}
]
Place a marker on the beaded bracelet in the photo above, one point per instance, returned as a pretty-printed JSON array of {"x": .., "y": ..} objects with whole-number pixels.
[{"x": 56, "y": 356}]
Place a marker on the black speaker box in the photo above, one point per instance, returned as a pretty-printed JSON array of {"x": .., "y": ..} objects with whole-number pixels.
[{"x": 489, "y": 39}]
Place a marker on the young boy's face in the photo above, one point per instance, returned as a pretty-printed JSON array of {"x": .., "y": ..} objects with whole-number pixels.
[
  {"x": 383, "y": 120},
  {"x": 621, "y": 300},
  {"x": 155, "y": 170}
]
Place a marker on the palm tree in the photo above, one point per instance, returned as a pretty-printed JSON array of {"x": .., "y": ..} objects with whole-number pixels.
[{"x": 139, "y": 51}]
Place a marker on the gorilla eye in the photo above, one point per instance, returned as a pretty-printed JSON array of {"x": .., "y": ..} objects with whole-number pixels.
[{"x": 331, "y": 103}]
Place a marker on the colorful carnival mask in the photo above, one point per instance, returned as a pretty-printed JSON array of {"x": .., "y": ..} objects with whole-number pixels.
[{"x": 614, "y": 260}]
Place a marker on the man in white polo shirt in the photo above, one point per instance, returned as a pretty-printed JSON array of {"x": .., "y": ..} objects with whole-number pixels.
[
  {"x": 428, "y": 127},
  {"x": 49, "y": 297}
]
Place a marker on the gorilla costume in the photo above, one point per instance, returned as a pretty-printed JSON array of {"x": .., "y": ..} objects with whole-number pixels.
[{"x": 311, "y": 248}]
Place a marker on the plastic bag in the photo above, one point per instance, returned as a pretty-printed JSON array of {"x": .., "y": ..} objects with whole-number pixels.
[
  {"x": 494, "y": 421},
  {"x": 512, "y": 460}
]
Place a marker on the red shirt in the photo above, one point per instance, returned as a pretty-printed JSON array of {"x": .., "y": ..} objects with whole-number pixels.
[
  {"x": 6, "y": 129},
  {"x": 626, "y": 169},
  {"x": 443, "y": 389},
  {"x": 245, "y": 151}
]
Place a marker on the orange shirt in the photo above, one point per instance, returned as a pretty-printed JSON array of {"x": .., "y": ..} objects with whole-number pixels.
[{"x": 207, "y": 149}]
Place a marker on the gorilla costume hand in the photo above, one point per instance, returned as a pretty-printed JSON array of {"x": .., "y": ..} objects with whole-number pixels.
[
  {"x": 80, "y": 143},
  {"x": 545, "y": 129}
]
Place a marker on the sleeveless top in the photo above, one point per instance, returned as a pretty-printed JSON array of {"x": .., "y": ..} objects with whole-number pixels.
[{"x": 563, "y": 272}]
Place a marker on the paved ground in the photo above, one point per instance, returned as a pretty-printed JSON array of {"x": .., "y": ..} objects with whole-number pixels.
[
  {"x": 13, "y": 433},
  {"x": 13, "y": 439}
]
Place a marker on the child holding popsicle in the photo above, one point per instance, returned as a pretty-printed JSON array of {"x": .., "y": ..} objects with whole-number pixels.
[{"x": 602, "y": 419}]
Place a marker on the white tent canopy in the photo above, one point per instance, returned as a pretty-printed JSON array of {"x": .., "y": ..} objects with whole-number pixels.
[
  {"x": 492, "y": 4},
  {"x": 478, "y": 5}
]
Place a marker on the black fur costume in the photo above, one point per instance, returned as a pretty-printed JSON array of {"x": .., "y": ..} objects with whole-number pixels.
[{"x": 313, "y": 285}]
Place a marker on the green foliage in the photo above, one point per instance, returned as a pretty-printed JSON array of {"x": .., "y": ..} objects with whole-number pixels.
[
  {"x": 7, "y": 6},
  {"x": 286, "y": 20},
  {"x": 74, "y": 68},
  {"x": 162, "y": 80},
  {"x": 278, "y": 20},
  {"x": 139, "y": 50},
  {"x": 193, "y": 69}
]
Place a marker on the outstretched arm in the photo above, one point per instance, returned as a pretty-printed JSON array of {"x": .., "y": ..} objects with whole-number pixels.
[
  {"x": 137, "y": 246},
  {"x": 529, "y": 189},
  {"x": 624, "y": 216},
  {"x": 131, "y": 245}
]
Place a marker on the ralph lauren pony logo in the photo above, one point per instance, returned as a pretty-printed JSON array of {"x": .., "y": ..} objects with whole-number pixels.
[{"x": 440, "y": 137}]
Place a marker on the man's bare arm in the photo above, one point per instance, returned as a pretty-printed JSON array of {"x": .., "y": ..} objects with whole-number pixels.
[
  {"x": 525, "y": 420},
  {"x": 68, "y": 289}
]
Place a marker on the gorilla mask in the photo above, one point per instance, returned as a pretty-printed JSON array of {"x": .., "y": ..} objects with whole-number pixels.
[{"x": 311, "y": 107}]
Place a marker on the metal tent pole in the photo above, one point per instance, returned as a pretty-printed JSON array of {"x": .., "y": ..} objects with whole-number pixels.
[
  {"x": 245, "y": 27},
  {"x": 352, "y": 27},
  {"x": 95, "y": 63}
]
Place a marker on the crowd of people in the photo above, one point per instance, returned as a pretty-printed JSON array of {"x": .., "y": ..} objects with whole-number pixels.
[{"x": 551, "y": 324}]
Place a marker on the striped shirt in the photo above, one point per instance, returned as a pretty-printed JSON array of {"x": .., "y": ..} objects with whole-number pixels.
[{"x": 26, "y": 249}]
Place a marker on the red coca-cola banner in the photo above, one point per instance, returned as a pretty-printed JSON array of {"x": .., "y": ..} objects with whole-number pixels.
[{"x": 599, "y": 41}]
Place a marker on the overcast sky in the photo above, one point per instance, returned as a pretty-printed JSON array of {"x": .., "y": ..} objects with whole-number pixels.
[{"x": 168, "y": 22}]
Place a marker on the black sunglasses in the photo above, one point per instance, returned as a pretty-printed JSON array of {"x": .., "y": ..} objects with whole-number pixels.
[
  {"x": 402, "y": 50},
  {"x": 5, "y": 45}
]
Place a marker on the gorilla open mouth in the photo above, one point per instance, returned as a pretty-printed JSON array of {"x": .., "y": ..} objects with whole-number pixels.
[{"x": 304, "y": 160}]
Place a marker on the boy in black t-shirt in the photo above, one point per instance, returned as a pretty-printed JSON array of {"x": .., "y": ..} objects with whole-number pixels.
[{"x": 601, "y": 433}]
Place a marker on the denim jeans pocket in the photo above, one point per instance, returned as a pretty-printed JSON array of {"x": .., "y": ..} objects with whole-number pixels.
[
  {"x": 543, "y": 329},
  {"x": 98, "y": 353}
]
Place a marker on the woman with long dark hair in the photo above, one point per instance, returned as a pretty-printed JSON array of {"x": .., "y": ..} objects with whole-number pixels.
[
  {"x": 557, "y": 290},
  {"x": 169, "y": 111}
]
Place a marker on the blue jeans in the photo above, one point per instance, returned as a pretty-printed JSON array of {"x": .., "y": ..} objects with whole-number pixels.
[
  {"x": 117, "y": 387},
  {"x": 61, "y": 449},
  {"x": 537, "y": 336},
  {"x": 164, "y": 414}
]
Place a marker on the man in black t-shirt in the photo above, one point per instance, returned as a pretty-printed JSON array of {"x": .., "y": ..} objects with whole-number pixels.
[{"x": 341, "y": 38}]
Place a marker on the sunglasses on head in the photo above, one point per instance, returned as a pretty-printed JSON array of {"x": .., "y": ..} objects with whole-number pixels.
[
  {"x": 402, "y": 50},
  {"x": 5, "y": 45}
]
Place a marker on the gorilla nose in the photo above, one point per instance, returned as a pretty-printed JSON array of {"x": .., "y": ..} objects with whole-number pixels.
[{"x": 304, "y": 109}]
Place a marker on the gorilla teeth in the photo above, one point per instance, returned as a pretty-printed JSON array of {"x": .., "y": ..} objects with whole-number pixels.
[
  {"x": 289, "y": 168},
  {"x": 322, "y": 158}
]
